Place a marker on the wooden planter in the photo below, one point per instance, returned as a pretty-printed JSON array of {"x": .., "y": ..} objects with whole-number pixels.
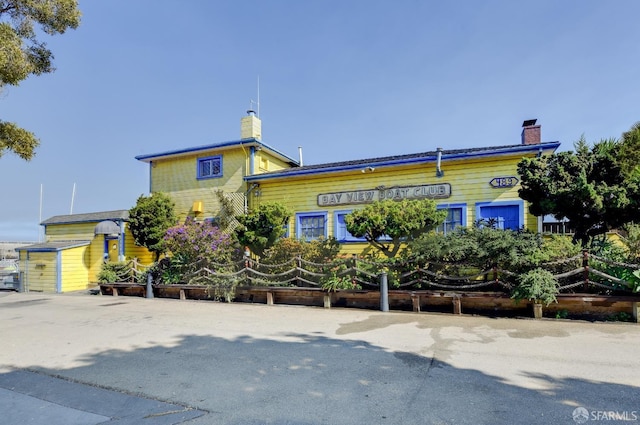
[{"x": 588, "y": 305}]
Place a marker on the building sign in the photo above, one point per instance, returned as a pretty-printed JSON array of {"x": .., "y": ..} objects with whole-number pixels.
[
  {"x": 433, "y": 191},
  {"x": 502, "y": 182}
]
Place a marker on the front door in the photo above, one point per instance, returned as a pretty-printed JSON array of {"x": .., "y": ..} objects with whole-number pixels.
[{"x": 111, "y": 250}]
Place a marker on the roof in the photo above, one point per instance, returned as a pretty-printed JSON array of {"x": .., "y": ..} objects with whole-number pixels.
[
  {"x": 217, "y": 146},
  {"x": 88, "y": 217},
  {"x": 52, "y": 246},
  {"x": 416, "y": 158}
]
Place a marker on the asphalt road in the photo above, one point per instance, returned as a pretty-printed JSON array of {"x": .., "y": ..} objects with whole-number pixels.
[{"x": 82, "y": 359}]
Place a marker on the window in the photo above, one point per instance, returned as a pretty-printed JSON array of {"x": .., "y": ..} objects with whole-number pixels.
[
  {"x": 456, "y": 217},
  {"x": 210, "y": 167},
  {"x": 310, "y": 226},
  {"x": 504, "y": 215},
  {"x": 340, "y": 232},
  {"x": 550, "y": 224}
]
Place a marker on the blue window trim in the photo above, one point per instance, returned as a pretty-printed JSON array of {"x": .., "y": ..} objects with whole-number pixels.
[
  {"x": 208, "y": 158},
  {"x": 463, "y": 207},
  {"x": 301, "y": 215},
  {"x": 349, "y": 237},
  {"x": 518, "y": 203}
]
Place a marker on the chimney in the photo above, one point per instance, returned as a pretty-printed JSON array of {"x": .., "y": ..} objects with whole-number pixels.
[
  {"x": 250, "y": 126},
  {"x": 530, "y": 132}
]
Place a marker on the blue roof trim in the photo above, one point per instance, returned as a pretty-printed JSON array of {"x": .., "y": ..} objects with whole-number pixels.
[
  {"x": 195, "y": 149},
  {"x": 47, "y": 246},
  {"x": 382, "y": 162}
]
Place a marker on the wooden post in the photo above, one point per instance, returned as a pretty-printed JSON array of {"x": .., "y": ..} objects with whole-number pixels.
[
  {"x": 269, "y": 298},
  {"x": 585, "y": 264},
  {"x": 327, "y": 300},
  {"x": 457, "y": 305},
  {"x": 537, "y": 311},
  {"x": 114, "y": 291},
  {"x": 415, "y": 301},
  {"x": 182, "y": 295}
]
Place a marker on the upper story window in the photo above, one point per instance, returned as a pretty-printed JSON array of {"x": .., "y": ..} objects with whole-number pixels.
[{"x": 210, "y": 167}]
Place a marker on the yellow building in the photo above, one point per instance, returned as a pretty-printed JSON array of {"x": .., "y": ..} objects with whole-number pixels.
[
  {"x": 472, "y": 184},
  {"x": 74, "y": 250},
  {"x": 197, "y": 177}
]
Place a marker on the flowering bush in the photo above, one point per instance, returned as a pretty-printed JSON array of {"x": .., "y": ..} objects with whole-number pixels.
[{"x": 199, "y": 244}]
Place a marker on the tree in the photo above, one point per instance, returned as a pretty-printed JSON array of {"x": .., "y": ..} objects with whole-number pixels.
[
  {"x": 150, "y": 219},
  {"x": 262, "y": 227},
  {"x": 629, "y": 152},
  {"x": 590, "y": 187},
  {"x": 387, "y": 224},
  {"x": 22, "y": 55}
]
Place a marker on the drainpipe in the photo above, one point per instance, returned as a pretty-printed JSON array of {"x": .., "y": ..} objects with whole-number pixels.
[
  {"x": 252, "y": 160},
  {"x": 121, "y": 255}
]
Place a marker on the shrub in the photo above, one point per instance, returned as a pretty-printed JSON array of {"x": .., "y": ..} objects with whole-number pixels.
[
  {"x": 116, "y": 272},
  {"x": 199, "y": 244},
  {"x": 537, "y": 285},
  {"x": 316, "y": 251}
]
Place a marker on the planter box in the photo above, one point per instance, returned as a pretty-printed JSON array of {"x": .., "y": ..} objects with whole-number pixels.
[{"x": 443, "y": 301}]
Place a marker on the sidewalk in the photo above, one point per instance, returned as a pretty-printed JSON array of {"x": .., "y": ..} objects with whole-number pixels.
[{"x": 85, "y": 358}]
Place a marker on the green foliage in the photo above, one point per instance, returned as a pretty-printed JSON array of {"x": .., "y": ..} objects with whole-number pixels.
[
  {"x": 597, "y": 189},
  {"x": 537, "y": 285},
  {"x": 116, "y": 272},
  {"x": 615, "y": 257},
  {"x": 629, "y": 152},
  {"x": 335, "y": 282},
  {"x": 18, "y": 140},
  {"x": 262, "y": 227},
  {"x": 387, "y": 224},
  {"x": 620, "y": 317},
  {"x": 484, "y": 247},
  {"x": 22, "y": 54},
  {"x": 317, "y": 251},
  {"x": 149, "y": 220},
  {"x": 631, "y": 241}
]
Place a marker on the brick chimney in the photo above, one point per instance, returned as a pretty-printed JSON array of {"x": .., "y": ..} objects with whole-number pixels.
[
  {"x": 530, "y": 132},
  {"x": 250, "y": 126}
]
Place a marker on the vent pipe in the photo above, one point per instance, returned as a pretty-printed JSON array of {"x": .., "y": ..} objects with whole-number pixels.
[
  {"x": 439, "y": 172},
  {"x": 300, "y": 155}
]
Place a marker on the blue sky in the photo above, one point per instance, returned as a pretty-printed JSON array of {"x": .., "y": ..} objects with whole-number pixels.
[{"x": 344, "y": 79}]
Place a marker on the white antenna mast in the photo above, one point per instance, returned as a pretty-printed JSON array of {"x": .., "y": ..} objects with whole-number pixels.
[
  {"x": 257, "y": 103},
  {"x": 40, "y": 220},
  {"x": 73, "y": 195}
]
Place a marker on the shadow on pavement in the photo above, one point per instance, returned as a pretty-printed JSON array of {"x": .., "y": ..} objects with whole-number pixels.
[{"x": 302, "y": 379}]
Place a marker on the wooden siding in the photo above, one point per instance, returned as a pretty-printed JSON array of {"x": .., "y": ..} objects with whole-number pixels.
[
  {"x": 272, "y": 163},
  {"x": 177, "y": 177},
  {"x": 131, "y": 250},
  {"x": 469, "y": 180},
  {"x": 40, "y": 271},
  {"x": 94, "y": 258},
  {"x": 70, "y": 232},
  {"x": 75, "y": 273}
]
